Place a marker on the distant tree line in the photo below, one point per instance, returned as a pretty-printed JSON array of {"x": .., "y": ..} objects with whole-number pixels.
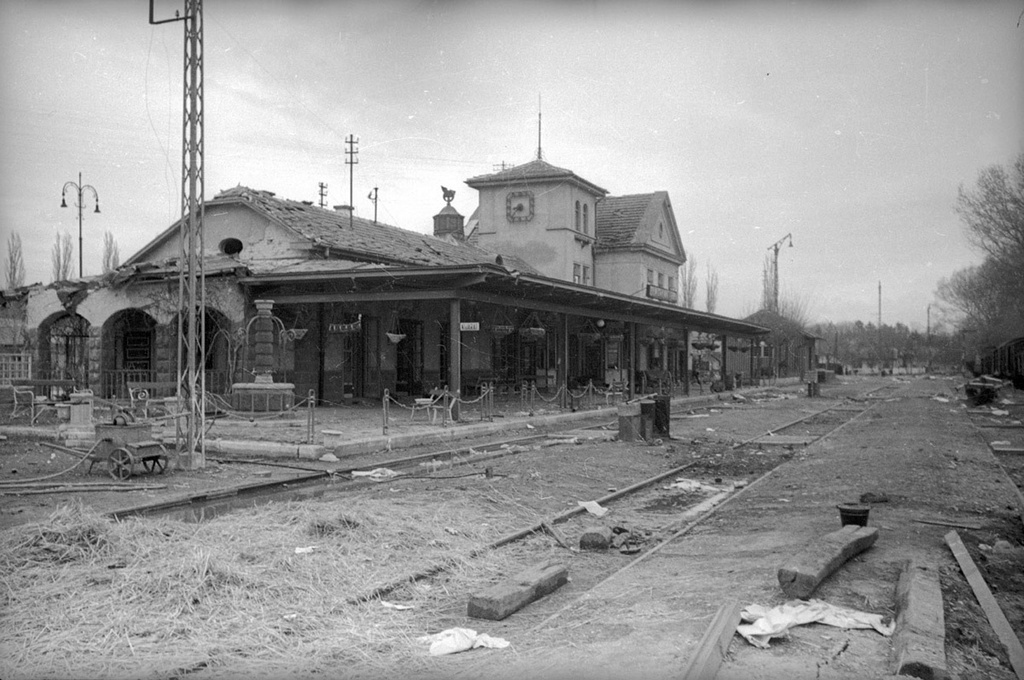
[{"x": 855, "y": 344}]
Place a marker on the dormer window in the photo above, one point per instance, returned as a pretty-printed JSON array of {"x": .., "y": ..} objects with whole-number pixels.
[
  {"x": 230, "y": 246},
  {"x": 577, "y": 215}
]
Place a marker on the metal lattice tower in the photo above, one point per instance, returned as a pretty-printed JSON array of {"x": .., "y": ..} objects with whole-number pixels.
[{"x": 191, "y": 427}]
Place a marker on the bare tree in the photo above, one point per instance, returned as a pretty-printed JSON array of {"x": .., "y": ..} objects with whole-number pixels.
[
  {"x": 60, "y": 257},
  {"x": 688, "y": 283},
  {"x": 993, "y": 213},
  {"x": 988, "y": 298},
  {"x": 711, "y": 289},
  {"x": 795, "y": 307},
  {"x": 14, "y": 276},
  {"x": 111, "y": 255}
]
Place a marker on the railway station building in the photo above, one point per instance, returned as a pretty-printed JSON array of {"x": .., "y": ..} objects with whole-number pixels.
[{"x": 551, "y": 282}]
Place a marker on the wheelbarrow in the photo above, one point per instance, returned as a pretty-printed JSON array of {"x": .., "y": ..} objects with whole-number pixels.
[{"x": 124, "y": 446}]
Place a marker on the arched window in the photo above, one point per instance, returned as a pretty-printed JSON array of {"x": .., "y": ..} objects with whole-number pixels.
[
  {"x": 586, "y": 218},
  {"x": 577, "y": 215}
]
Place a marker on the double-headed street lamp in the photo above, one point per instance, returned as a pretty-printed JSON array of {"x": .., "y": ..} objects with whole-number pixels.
[{"x": 80, "y": 189}]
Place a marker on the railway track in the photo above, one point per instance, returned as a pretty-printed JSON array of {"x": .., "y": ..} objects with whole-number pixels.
[
  {"x": 642, "y": 495},
  {"x": 312, "y": 482}
]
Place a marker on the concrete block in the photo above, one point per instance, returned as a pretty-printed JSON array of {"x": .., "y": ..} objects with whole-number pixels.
[
  {"x": 919, "y": 641},
  {"x": 802, "y": 573},
  {"x": 501, "y": 600},
  {"x": 596, "y": 538}
]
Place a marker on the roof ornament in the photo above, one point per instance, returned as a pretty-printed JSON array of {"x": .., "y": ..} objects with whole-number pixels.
[{"x": 447, "y": 194}]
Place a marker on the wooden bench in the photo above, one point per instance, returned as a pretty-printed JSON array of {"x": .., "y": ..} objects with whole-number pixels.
[
  {"x": 143, "y": 394},
  {"x": 39, "y": 396}
]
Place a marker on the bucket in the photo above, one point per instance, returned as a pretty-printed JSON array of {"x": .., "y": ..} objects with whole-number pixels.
[{"x": 854, "y": 514}]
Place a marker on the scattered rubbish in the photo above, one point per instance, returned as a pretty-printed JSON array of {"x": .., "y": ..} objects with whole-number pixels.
[
  {"x": 289, "y": 617},
  {"x": 739, "y": 484},
  {"x": 941, "y": 399},
  {"x": 530, "y": 427},
  {"x": 453, "y": 532},
  {"x": 1000, "y": 412},
  {"x": 376, "y": 474},
  {"x": 684, "y": 484},
  {"x": 628, "y": 542},
  {"x": 1000, "y": 443},
  {"x": 872, "y": 497},
  {"x": 306, "y": 550},
  {"x": 399, "y": 607},
  {"x": 709, "y": 429},
  {"x": 764, "y": 624},
  {"x": 456, "y": 640},
  {"x": 593, "y": 507},
  {"x": 557, "y": 535},
  {"x": 261, "y": 473},
  {"x": 1002, "y": 545},
  {"x": 329, "y": 458}
]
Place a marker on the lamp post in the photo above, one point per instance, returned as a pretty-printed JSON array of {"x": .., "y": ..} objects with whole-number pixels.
[
  {"x": 79, "y": 189},
  {"x": 775, "y": 268}
]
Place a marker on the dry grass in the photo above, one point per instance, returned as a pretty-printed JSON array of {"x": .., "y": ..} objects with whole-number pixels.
[{"x": 86, "y": 597}]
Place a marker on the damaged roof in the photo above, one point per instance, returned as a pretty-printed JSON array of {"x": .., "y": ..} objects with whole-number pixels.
[
  {"x": 619, "y": 218},
  {"x": 354, "y": 238}
]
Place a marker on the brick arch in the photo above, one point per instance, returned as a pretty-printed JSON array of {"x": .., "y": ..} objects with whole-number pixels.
[{"x": 128, "y": 352}]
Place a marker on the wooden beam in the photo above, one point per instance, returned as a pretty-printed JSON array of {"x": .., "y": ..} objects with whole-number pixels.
[
  {"x": 995, "y": 615},
  {"x": 455, "y": 353},
  {"x": 363, "y": 296},
  {"x": 502, "y": 600},
  {"x": 802, "y": 573},
  {"x": 714, "y": 644}
]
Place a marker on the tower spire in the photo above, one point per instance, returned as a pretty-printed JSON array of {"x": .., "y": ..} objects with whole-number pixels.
[{"x": 540, "y": 155}]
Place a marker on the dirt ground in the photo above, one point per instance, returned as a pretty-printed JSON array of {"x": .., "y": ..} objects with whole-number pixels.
[{"x": 920, "y": 458}]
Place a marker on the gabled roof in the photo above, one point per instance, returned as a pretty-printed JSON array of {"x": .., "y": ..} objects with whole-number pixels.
[
  {"x": 534, "y": 172},
  {"x": 620, "y": 220},
  {"x": 337, "y": 235}
]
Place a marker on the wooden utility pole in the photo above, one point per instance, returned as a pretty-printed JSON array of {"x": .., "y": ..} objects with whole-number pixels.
[{"x": 351, "y": 161}]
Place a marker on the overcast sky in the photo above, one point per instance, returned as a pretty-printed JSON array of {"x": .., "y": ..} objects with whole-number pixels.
[{"x": 848, "y": 125}]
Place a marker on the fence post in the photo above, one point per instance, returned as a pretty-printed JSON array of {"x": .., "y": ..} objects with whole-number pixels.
[
  {"x": 310, "y": 416},
  {"x": 387, "y": 398}
]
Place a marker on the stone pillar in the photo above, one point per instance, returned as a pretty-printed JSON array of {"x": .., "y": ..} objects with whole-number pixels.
[{"x": 264, "y": 342}]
